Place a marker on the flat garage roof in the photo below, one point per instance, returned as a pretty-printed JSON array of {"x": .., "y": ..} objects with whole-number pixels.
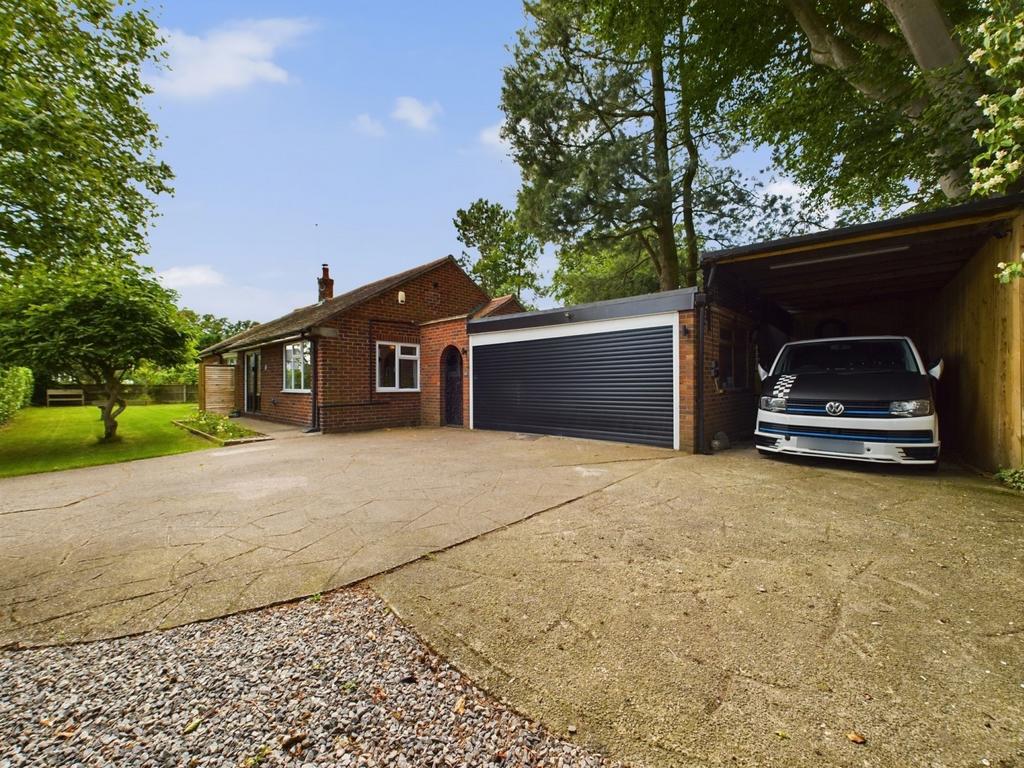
[
  {"x": 631, "y": 306},
  {"x": 850, "y": 265}
]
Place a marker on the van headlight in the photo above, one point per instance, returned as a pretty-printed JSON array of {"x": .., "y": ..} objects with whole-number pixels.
[
  {"x": 773, "y": 404},
  {"x": 910, "y": 408}
]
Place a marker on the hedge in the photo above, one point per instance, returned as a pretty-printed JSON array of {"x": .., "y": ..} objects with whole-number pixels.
[{"x": 15, "y": 391}]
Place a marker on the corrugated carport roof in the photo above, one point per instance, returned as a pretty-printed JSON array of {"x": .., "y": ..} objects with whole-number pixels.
[{"x": 850, "y": 265}]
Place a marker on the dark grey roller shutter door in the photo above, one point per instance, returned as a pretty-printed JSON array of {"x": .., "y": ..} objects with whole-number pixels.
[{"x": 611, "y": 386}]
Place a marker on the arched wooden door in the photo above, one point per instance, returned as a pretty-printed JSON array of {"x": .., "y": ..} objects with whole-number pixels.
[{"x": 451, "y": 387}]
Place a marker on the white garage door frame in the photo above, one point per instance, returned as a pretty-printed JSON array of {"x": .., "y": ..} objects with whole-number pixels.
[{"x": 586, "y": 328}]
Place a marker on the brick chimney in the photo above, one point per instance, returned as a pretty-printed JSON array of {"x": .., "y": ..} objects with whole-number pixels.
[{"x": 325, "y": 285}]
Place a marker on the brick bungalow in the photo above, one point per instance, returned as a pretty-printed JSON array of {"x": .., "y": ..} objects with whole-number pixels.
[
  {"x": 369, "y": 358},
  {"x": 673, "y": 369}
]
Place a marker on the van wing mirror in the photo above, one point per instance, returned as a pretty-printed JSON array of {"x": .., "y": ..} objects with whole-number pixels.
[
  {"x": 762, "y": 374},
  {"x": 936, "y": 369}
]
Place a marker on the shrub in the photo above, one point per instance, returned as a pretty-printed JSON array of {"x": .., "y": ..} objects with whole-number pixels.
[
  {"x": 1012, "y": 478},
  {"x": 218, "y": 426},
  {"x": 15, "y": 391}
]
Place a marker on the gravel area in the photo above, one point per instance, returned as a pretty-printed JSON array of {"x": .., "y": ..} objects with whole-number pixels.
[{"x": 330, "y": 681}]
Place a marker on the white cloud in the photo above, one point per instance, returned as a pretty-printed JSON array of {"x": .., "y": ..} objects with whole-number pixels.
[
  {"x": 415, "y": 113},
  {"x": 368, "y": 126},
  {"x": 228, "y": 58},
  {"x": 191, "y": 277},
  {"x": 785, "y": 188},
  {"x": 491, "y": 139}
]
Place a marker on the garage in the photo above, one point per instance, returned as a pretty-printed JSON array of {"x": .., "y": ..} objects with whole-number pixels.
[
  {"x": 927, "y": 276},
  {"x": 608, "y": 370}
]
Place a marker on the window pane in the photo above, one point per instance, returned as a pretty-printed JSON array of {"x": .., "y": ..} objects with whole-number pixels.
[
  {"x": 407, "y": 370},
  {"x": 386, "y": 365},
  {"x": 409, "y": 352},
  {"x": 307, "y": 367}
]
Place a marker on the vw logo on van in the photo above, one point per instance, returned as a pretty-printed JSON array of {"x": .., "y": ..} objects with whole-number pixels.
[{"x": 835, "y": 408}]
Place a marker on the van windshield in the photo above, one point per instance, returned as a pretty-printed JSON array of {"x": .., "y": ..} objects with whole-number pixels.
[{"x": 848, "y": 356}]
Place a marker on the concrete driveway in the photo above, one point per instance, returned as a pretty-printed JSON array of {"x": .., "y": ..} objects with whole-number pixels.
[
  {"x": 731, "y": 610},
  {"x": 112, "y": 550}
]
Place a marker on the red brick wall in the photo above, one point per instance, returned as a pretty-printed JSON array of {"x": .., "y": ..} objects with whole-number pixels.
[
  {"x": 348, "y": 400},
  {"x": 435, "y": 338},
  {"x": 687, "y": 379},
  {"x": 727, "y": 410},
  {"x": 275, "y": 404}
]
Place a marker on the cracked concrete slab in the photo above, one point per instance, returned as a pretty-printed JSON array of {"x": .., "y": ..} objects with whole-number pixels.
[
  {"x": 733, "y": 610},
  {"x": 113, "y": 550}
]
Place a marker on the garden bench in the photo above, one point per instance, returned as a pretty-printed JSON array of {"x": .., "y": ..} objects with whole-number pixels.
[{"x": 65, "y": 397}]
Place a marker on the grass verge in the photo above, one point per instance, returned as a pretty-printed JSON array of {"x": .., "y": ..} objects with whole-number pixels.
[{"x": 48, "y": 439}]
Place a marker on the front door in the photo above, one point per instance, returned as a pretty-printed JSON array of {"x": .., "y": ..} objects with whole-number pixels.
[
  {"x": 451, "y": 384},
  {"x": 252, "y": 382}
]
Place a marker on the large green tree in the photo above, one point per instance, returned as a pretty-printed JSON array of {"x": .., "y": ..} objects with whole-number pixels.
[
  {"x": 78, "y": 165},
  {"x": 865, "y": 104},
  {"x": 210, "y": 329},
  {"x": 614, "y": 118},
  {"x": 506, "y": 261},
  {"x": 94, "y": 319}
]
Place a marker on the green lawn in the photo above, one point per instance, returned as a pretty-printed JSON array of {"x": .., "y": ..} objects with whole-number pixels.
[{"x": 46, "y": 439}]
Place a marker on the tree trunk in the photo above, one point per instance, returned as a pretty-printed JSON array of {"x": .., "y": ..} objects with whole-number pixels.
[
  {"x": 925, "y": 28},
  {"x": 926, "y": 31},
  {"x": 689, "y": 174},
  {"x": 112, "y": 406},
  {"x": 668, "y": 274}
]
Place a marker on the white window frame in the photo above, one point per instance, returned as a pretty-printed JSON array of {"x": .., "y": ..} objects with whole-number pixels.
[
  {"x": 284, "y": 367},
  {"x": 398, "y": 358}
]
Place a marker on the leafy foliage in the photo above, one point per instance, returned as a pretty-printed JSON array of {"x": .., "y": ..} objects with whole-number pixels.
[
  {"x": 93, "y": 319},
  {"x": 218, "y": 426},
  {"x": 15, "y": 391},
  {"x": 78, "y": 168},
  {"x": 507, "y": 262},
  {"x": 864, "y": 104},
  {"x": 1012, "y": 478},
  {"x": 613, "y": 112},
  {"x": 589, "y": 274},
  {"x": 580, "y": 120},
  {"x": 149, "y": 374},
  {"x": 207, "y": 331},
  {"x": 210, "y": 329},
  {"x": 1001, "y": 162}
]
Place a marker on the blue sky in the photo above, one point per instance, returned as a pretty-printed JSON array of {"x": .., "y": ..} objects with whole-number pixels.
[{"x": 309, "y": 132}]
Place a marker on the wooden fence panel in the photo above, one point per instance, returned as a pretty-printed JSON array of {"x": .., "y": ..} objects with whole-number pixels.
[{"x": 219, "y": 388}]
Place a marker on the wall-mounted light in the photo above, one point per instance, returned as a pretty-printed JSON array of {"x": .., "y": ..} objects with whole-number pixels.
[
  {"x": 401, "y": 297},
  {"x": 686, "y": 331}
]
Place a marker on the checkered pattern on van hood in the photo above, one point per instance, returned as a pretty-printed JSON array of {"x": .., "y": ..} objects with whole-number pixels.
[{"x": 783, "y": 385}]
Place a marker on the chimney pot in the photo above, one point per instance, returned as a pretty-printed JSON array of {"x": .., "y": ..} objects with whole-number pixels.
[{"x": 325, "y": 285}]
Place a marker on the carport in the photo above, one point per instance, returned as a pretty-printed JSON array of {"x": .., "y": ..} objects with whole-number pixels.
[{"x": 927, "y": 276}]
